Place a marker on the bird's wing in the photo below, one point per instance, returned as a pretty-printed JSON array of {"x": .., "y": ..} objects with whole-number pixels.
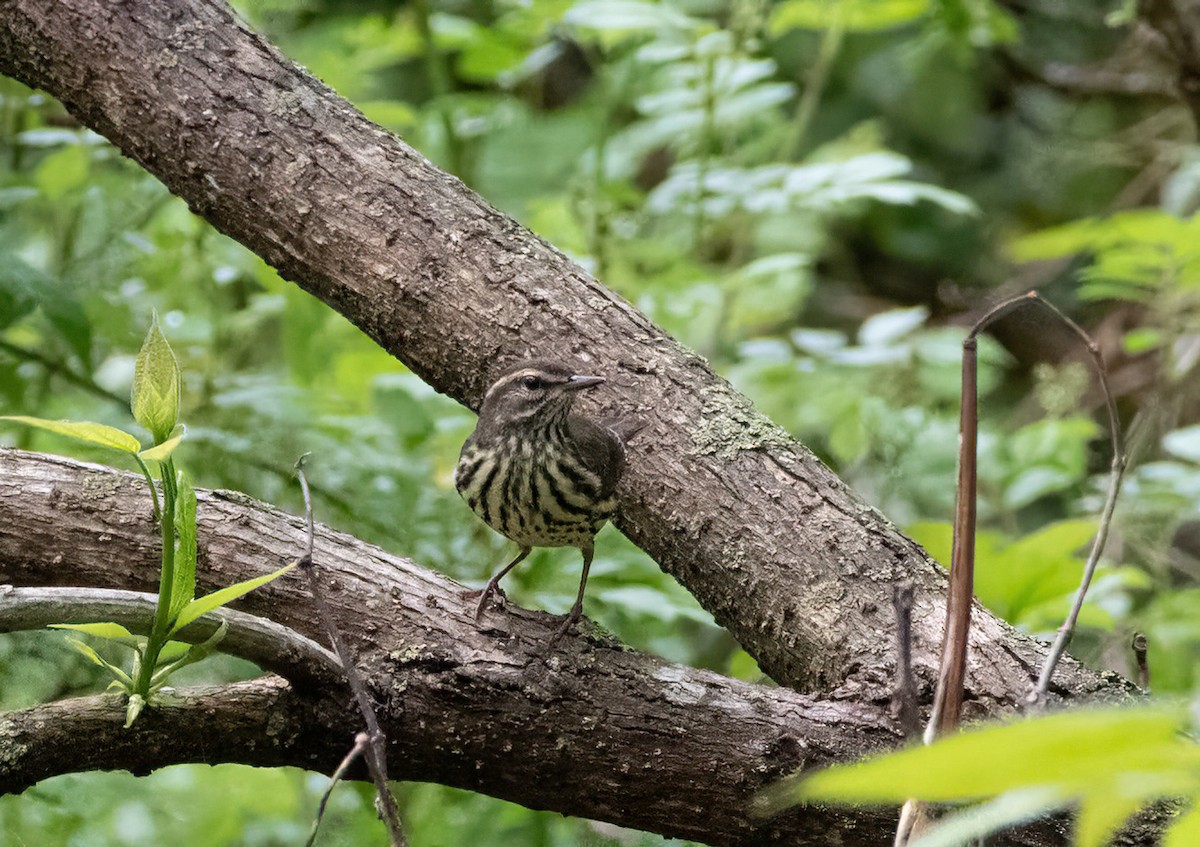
[{"x": 600, "y": 449}]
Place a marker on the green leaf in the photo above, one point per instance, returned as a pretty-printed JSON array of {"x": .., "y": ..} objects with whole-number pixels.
[
  {"x": 92, "y": 433},
  {"x": 198, "y": 607},
  {"x": 125, "y": 681},
  {"x": 1078, "y": 751},
  {"x": 891, "y": 326},
  {"x": 155, "y": 396},
  {"x": 63, "y": 171},
  {"x": 111, "y": 631},
  {"x": 852, "y": 15},
  {"x": 1011, "y": 808},
  {"x": 173, "y": 650},
  {"x": 195, "y": 653},
  {"x": 20, "y": 286},
  {"x": 163, "y": 451},
  {"x": 1102, "y": 813},
  {"x": 627, "y": 15},
  {"x": 183, "y": 587}
]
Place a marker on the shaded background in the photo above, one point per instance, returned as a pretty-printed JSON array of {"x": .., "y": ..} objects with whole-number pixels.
[{"x": 817, "y": 196}]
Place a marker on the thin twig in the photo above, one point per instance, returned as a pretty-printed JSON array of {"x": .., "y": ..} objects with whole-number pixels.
[
  {"x": 947, "y": 701},
  {"x": 1116, "y": 473},
  {"x": 905, "y": 697},
  {"x": 66, "y": 372},
  {"x": 375, "y": 753},
  {"x": 360, "y": 746}
]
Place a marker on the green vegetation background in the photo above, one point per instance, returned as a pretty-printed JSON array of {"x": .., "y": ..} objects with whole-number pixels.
[{"x": 817, "y": 196}]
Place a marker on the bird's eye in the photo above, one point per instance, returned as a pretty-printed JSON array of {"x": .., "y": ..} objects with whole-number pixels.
[{"x": 532, "y": 383}]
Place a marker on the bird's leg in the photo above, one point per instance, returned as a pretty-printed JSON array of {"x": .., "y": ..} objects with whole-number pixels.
[
  {"x": 577, "y": 610},
  {"x": 494, "y": 583}
]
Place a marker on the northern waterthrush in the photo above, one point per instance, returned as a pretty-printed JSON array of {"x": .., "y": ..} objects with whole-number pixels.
[{"x": 538, "y": 472}]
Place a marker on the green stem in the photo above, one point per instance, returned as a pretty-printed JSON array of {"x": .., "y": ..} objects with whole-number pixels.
[
  {"x": 709, "y": 140},
  {"x": 150, "y": 482},
  {"x": 158, "y": 633},
  {"x": 818, "y": 77}
]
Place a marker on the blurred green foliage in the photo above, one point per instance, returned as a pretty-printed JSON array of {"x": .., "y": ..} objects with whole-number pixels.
[
  {"x": 1105, "y": 763},
  {"x": 819, "y": 197}
]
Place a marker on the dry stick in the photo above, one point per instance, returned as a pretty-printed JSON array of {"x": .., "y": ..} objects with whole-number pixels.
[
  {"x": 1140, "y": 647},
  {"x": 374, "y": 753},
  {"x": 1116, "y": 473},
  {"x": 947, "y": 700},
  {"x": 905, "y": 697}
]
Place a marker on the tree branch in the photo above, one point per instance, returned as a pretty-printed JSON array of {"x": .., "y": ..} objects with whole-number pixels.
[
  {"x": 262, "y": 722},
  {"x": 271, "y": 646},
  {"x": 590, "y": 728}
]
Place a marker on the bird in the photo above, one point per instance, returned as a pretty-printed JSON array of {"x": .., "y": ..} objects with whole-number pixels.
[{"x": 538, "y": 472}]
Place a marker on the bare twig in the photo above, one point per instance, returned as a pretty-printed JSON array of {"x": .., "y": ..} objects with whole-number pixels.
[
  {"x": 375, "y": 753},
  {"x": 947, "y": 701},
  {"x": 905, "y": 697},
  {"x": 948, "y": 697},
  {"x": 361, "y": 745},
  {"x": 1141, "y": 646},
  {"x": 1116, "y": 473}
]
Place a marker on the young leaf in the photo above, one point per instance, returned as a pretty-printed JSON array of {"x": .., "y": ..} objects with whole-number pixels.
[
  {"x": 198, "y": 607},
  {"x": 172, "y": 650},
  {"x": 183, "y": 587},
  {"x": 111, "y": 631},
  {"x": 196, "y": 653},
  {"x": 163, "y": 451},
  {"x": 133, "y": 708},
  {"x": 155, "y": 396},
  {"x": 121, "y": 677},
  {"x": 92, "y": 433}
]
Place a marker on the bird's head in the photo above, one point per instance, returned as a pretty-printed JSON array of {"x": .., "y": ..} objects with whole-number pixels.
[{"x": 534, "y": 393}]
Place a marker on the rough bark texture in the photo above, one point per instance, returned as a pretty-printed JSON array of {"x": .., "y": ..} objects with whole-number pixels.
[
  {"x": 767, "y": 538},
  {"x": 262, "y": 722},
  {"x": 589, "y": 728}
]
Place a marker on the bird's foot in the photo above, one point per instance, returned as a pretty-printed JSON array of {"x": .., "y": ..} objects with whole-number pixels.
[
  {"x": 569, "y": 624},
  {"x": 485, "y": 594}
]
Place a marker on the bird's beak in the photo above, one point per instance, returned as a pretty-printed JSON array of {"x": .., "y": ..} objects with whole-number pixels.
[{"x": 579, "y": 382}]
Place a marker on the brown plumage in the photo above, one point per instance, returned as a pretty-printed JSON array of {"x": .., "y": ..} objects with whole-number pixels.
[{"x": 536, "y": 471}]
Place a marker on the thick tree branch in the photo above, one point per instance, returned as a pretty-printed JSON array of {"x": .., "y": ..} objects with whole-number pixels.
[
  {"x": 262, "y": 722},
  {"x": 590, "y": 728},
  {"x": 767, "y": 538}
]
